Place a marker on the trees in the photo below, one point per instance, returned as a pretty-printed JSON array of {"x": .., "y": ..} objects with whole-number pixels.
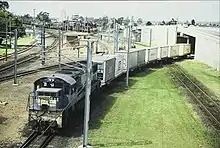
[
  {"x": 135, "y": 24},
  {"x": 43, "y": 17},
  {"x": 139, "y": 21},
  {"x": 4, "y": 5},
  {"x": 16, "y": 23},
  {"x": 172, "y": 22},
  {"x": 163, "y": 23},
  {"x": 126, "y": 21},
  {"x": 120, "y": 20},
  {"x": 27, "y": 19},
  {"x": 193, "y": 22},
  {"x": 148, "y": 23}
]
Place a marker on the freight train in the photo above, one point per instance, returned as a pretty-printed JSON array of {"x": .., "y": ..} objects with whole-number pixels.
[{"x": 55, "y": 96}]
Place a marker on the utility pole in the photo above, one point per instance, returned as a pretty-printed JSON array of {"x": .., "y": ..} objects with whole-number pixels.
[
  {"x": 87, "y": 97},
  {"x": 10, "y": 31},
  {"x": 67, "y": 26},
  {"x": 109, "y": 27},
  {"x": 115, "y": 37},
  {"x": 6, "y": 41},
  {"x": 167, "y": 35},
  {"x": 59, "y": 54},
  {"x": 128, "y": 52},
  {"x": 62, "y": 39},
  {"x": 150, "y": 37},
  {"x": 34, "y": 23},
  {"x": 87, "y": 25},
  {"x": 97, "y": 43},
  {"x": 15, "y": 57},
  {"x": 43, "y": 45},
  {"x": 176, "y": 29}
]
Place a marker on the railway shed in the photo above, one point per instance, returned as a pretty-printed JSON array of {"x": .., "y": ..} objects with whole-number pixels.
[
  {"x": 206, "y": 46},
  {"x": 72, "y": 38},
  {"x": 78, "y": 40}
]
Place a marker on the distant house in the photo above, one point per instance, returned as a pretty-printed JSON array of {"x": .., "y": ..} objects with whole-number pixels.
[{"x": 29, "y": 32}]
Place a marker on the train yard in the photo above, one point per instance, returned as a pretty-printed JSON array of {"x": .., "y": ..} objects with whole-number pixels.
[
  {"x": 26, "y": 58},
  {"x": 204, "y": 100}
]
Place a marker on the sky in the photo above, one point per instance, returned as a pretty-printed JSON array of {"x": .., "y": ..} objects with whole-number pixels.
[{"x": 148, "y": 10}]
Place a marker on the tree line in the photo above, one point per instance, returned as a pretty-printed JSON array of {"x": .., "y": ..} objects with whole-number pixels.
[{"x": 9, "y": 21}]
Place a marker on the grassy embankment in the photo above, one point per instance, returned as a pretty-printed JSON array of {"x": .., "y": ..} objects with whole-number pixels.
[
  {"x": 152, "y": 113},
  {"x": 205, "y": 74}
]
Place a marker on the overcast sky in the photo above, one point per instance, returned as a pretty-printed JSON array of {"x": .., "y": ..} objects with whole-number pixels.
[{"x": 153, "y": 11}]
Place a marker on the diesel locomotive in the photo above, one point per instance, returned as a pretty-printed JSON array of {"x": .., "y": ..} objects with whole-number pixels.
[{"x": 57, "y": 95}]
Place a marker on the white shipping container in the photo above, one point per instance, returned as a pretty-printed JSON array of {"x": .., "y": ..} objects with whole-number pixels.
[
  {"x": 132, "y": 58},
  {"x": 106, "y": 67},
  {"x": 163, "y": 52},
  {"x": 174, "y": 51},
  {"x": 141, "y": 57},
  {"x": 118, "y": 65},
  {"x": 145, "y": 35},
  {"x": 184, "y": 49},
  {"x": 152, "y": 54},
  {"x": 160, "y": 35}
]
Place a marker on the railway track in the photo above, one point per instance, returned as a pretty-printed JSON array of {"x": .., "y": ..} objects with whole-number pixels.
[
  {"x": 20, "y": 51},
  {"x": 25, "y": 59},
  {"x": 24, "y": 73},
  {"x": 206, "y": 103},
  {"x": 37, "y": 140},
  {"x": 25, "y": 48}
]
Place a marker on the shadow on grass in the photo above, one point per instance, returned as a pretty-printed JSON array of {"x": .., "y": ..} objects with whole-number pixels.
[{"x": 101, "y": 104}]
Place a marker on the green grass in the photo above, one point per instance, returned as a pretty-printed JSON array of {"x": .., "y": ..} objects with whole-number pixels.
[
  {"x": 205, "y": 74},
  {"x": 2, "y": 51},
  {"x": 151, "y": 114},
  {"x": 21, "y": 41},
  {"x": 25, "y": 40}
]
